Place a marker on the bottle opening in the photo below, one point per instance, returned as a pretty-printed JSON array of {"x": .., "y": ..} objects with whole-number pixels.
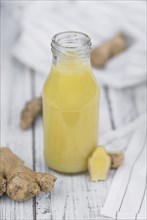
[{"x": 71, "y": 44}]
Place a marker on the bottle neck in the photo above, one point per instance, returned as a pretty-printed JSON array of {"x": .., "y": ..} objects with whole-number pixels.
[{"x": 71, "y": 48}]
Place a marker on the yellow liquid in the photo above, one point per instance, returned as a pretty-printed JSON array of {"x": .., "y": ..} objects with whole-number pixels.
[{"x": 70, "y": 116}]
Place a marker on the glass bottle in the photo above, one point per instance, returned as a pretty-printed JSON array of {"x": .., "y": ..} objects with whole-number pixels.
[{"x": 70, "y": 104}]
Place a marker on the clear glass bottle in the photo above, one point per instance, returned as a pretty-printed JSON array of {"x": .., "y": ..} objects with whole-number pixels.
[{"x": 70, "y": 104}]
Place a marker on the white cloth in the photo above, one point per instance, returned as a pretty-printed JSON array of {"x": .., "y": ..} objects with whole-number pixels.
[
  {"x": 126, "y": 198},
  {"x": 100, "y": 20}
]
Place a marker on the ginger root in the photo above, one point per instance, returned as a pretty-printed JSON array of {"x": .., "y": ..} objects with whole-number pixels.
[
  {"x": 30, "y": 112},
  {"x": 117, "y": 159},
  {"x": 100, "y": 162},
  {"x": 22, "y": 182},
  {"x": 101, "y": 54},
  {"x": 2, "y": 185}
]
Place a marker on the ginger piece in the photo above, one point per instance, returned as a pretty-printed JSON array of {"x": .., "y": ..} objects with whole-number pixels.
[
  {"x": 22, "y": 182},
  {"x": 99, "y": 164},
  {"x": 117, "y": 159},
  {"x": 5, "y": 156},
  {"x": 30, "y": 112},
  {"x": 2, "y": 184},
  {"x": 101, "y": 54}
]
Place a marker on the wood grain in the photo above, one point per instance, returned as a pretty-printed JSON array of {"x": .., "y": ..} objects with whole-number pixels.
[{"x": 15, "y": 139}]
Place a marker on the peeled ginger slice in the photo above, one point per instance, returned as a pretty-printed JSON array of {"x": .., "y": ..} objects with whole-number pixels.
[{"x": 99, "y": 164}]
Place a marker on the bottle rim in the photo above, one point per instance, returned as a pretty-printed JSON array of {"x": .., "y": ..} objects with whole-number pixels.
[{"x": 67, "y": 42}]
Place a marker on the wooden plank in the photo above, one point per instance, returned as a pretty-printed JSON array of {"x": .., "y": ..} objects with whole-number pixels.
[
  {"x": 141, "y": 99},
  {"x": 43, "y": 201},
  {"x": 123, "y": 106},
  {"x": 15, "y": 93},
  {"x": 105, "y": 118},
  {"x": 15, "y": 90}
]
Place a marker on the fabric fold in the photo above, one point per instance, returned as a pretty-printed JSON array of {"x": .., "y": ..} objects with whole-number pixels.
[{"x": 128, "y": 187}]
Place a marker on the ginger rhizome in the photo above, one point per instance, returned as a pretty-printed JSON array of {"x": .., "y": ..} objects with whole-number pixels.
[
  {"x": 117, "y": 159},
  {"x": 18, "y": 181},
  {"x": 100, "y": 162},
  {"x": 101, "y": 54},
  {"x": 32, "y": 109},
  {"x": 2, "y": 184}
]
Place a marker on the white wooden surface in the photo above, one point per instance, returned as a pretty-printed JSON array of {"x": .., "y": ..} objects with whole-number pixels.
[{"x": 74, "y": 197}]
